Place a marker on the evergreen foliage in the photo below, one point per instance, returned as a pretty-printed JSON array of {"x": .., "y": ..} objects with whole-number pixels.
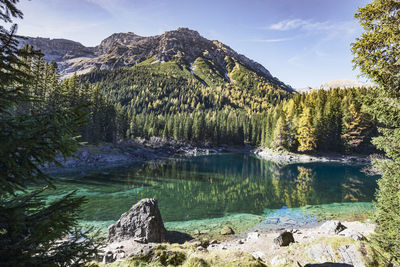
[
  {"x": 377, "y": 54},
  {"x": 34, "y": 233},
  {"x": 204, "y": 106},
  {"x": 320, "y": 121}
]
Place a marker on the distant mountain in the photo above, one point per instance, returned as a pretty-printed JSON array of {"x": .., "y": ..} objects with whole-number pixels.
[
  {"x": 343, "y": 83},
  {"x": 303, "y": 90},
  {"x": 183, "y": 46}
]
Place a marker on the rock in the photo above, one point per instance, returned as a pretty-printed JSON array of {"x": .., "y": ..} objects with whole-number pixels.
[
  {"x": 195, "y": 242},
  {"x": 120, "y": 254},
  {"x": 328, "y": 264},
  {"x": 258, "y": 255},
  {"x": 253, "y": 235},
  {"x": 226, "y": 230},
  {"x": 284, "y": 239},
  {"x": 200, "y": 248},
  {"x": 240, "y": 242},
  {"x": 109, "y": 257},
  {"x": 350, "y": 255},
  {"x": 142, "y": 223},
  {"x": 277, "y": 260},
  {"x": 332, "y": 227},
  {"x": 321, "y": 253},
  {"x": 357, "y": 236},
  {"x": 212, "y": 242},
  {"x": 145, "y": 252}
]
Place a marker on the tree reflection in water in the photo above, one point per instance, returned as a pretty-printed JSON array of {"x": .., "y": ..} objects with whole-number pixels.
[{"x": 216, "y": 185}]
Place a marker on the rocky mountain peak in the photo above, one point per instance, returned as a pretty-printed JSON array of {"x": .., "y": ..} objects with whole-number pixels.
[
  {"x": 118, "y": 39},
  {"x": 58, "y": 49},
  {"x": 183, "y": 45}
]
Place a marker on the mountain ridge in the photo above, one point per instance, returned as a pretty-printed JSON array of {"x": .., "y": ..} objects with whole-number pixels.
[{"x": 124, "y": 50}]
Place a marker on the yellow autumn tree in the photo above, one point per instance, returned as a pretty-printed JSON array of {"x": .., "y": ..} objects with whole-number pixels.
[{"x": 306, "y": 132}]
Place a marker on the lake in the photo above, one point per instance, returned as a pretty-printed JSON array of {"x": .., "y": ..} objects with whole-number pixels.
[{"x": 221, "y": 187}]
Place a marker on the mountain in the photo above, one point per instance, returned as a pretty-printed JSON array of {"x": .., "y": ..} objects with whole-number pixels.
[
  {"x": 185, "y": 46},
  {"x": 175, "y": 72},
  {"x": 343, "y": 83},
  {"x": 304, "y": 89}
]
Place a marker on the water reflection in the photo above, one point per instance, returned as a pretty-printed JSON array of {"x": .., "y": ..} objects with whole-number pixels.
[{"x": 217, "y": 185}]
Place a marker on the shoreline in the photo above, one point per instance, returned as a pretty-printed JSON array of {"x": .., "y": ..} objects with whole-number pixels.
[
  {"x": 269, "y": 221},
  {"x": 108, "y": 155},
  {"x": 313, "y": 243},
  {"x": 289, "y": 157}
]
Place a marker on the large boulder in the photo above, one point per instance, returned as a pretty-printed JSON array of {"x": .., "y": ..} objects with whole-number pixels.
[
  {"x": 332, "y": 227},
  {"x": 284, "y": 239},
  {"x": 142, "y": 223}
]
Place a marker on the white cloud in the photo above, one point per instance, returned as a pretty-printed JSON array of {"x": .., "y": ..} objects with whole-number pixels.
[
  {"x": 287, "y": 25},
  {"x": 311, "y": 26}
]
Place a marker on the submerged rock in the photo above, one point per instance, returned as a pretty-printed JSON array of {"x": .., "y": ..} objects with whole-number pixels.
[
  {"x": 226, "y": 230},
  {"x": 284, "y": 239},
  {"x": 142, "y": 223}
]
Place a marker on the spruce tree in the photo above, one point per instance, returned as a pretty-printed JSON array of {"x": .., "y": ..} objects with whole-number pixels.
[
  {"x": 32, "y": 232},
  {"x": 377, "y": 55}
]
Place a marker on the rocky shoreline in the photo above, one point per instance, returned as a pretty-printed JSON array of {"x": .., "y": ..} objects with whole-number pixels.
[
  {"x": 289, "y": 157},
  {"x": 139, "y": 237},
  {"x": 108, "y": 155}
]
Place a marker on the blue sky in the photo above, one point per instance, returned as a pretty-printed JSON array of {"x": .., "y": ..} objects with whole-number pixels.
[{"x": 302, "y": 42}]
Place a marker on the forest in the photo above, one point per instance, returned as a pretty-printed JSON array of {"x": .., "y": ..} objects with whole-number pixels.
[{"x": 124, "y": 104}]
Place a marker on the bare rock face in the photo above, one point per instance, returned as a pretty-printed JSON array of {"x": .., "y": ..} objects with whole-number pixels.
[
  {"x": 128, "y": 49},
  {"x": 142, "y": 223},
  {"x": 58, "y": 49}
]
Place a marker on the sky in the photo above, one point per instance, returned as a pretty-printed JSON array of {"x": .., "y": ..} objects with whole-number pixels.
[{"x": 301, "y": 42}]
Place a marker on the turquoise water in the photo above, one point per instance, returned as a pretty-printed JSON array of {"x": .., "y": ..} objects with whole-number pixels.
[{"x": 229, "y": 187}]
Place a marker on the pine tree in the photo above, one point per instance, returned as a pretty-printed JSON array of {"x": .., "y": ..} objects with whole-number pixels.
[{"x": 376, "y": 53}]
